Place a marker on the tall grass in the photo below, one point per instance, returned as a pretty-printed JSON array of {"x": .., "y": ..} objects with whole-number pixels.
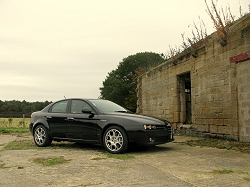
[
  {"x": 14, "y": 122},
  {"x": 14, "y": 125}
]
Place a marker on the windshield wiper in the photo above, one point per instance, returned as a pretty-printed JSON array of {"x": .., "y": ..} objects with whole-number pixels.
[{"x": 124, "y": 111}]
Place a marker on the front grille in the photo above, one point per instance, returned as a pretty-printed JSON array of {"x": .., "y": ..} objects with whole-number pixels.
[
  {"x": 166, "y": 127},
  {"x": 170, "y": 129},
  {"x": 161, "y": 127}
]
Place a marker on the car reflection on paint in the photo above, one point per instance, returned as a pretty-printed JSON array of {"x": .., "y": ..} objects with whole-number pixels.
[{"x": 97, "y": 121}]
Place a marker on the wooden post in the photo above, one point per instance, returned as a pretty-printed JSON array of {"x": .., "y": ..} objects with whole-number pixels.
[{"x": 23, "y": 120}]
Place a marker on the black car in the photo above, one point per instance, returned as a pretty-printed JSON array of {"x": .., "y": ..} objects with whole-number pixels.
[{"x": 97, "y": 121}]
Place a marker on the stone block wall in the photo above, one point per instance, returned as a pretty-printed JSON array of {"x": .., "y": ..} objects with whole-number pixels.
[
  {"x": 220, "y": 90},
  {"x": 243, "y": 88}
]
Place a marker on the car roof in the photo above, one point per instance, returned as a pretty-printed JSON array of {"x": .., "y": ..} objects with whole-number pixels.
[{"x": 78, "y": 98}]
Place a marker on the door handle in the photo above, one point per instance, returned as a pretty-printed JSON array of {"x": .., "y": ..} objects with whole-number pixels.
[
  {"x": 48, "y": 117},
  {"x": 71, "y": 119}
]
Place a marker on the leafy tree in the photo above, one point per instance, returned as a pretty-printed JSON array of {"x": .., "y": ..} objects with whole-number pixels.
[{"x": 120, "y": 84}]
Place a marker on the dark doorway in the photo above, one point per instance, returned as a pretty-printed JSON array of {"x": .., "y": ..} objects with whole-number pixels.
[{"x": 185, "y": 98}]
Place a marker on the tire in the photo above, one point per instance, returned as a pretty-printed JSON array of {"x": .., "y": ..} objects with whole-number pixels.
[
  {"x": 41, "y": 137},
  {"x": 115, "y": 140}
]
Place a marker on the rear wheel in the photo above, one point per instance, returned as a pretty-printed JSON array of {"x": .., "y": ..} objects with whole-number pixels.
[
  {"x": 41, "y": 137},
  {"x": 115, "y": 140}
]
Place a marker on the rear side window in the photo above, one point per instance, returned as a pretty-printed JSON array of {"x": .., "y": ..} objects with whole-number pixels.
[{"x": 60, "y": 107}]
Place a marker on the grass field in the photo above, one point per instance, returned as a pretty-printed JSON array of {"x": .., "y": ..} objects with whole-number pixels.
[{"x": 14, "y": 122}]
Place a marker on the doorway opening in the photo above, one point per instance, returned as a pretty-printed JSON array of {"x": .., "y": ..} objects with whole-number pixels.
[{"x": 185, "y": 98}]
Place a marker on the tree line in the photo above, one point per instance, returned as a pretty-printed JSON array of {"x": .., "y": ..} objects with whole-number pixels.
[{"x": 16, "y": 109}]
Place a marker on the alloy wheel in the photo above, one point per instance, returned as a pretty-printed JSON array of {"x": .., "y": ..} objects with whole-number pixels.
[
  {"x": 114, "y": 140},
  {"x": 40, "y": 136}
]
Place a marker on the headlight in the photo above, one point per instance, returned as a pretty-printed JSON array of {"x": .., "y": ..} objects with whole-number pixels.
[{"x": 149, "y": 127}]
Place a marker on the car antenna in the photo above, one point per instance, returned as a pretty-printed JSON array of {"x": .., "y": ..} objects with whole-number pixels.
[{"x": 64, "y": 97}]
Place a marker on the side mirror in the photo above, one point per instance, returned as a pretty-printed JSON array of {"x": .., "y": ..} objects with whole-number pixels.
[{"x": 88, "y": 111}]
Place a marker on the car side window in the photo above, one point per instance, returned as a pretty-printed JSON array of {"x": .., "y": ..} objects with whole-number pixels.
[
  {"x": 60, "y": 107},
  {"x": 78, "y": 105}
]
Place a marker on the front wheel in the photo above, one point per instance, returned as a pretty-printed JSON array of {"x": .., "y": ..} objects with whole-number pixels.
[
  {"x": 115, "y": 140},
  {"x": 41, "y": 137}
]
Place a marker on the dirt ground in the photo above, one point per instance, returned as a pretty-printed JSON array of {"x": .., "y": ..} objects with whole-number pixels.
[{"x": 171, "y": 164}]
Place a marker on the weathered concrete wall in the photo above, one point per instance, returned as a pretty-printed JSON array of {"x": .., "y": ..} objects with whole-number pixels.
[
  {"x": 243, "y": 87},
  {"x": 243, "y": 75},
  {"x": 220, "y": 90}
]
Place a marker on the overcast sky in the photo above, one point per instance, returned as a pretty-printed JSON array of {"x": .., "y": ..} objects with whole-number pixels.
[{"x": 55, "y": 48}]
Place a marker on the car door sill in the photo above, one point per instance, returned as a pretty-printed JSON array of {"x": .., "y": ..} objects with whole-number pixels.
[{"x": 75, "y": 140}]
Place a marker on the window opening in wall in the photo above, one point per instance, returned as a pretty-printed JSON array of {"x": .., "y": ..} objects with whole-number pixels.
[{"x": 185, "y": 98}]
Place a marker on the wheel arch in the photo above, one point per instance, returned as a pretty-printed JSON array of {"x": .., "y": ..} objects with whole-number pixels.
[
  {"x": 39, "y": 123},
  {"x": 110, "y": 125}
]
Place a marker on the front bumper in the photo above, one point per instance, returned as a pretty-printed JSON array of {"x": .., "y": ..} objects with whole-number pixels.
[{"x": 152, "y": 137}]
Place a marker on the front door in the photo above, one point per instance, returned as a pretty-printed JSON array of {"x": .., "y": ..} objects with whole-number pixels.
[{"x": 81, "y": 126}]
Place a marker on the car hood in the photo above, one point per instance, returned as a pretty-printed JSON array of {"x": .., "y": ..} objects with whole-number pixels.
[{"x": 140, "y": 118}]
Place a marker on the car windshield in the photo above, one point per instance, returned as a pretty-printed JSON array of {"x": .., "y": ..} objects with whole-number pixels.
[{"x": 107, "y": 106}]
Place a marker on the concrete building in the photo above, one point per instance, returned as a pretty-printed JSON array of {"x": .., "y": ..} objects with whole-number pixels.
[{"x": 204, "y": 90}]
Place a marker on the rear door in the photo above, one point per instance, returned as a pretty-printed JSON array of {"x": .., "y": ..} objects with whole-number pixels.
[
  {"x": 57, "y": 119},
  {"x": 81, "y": 126}
]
